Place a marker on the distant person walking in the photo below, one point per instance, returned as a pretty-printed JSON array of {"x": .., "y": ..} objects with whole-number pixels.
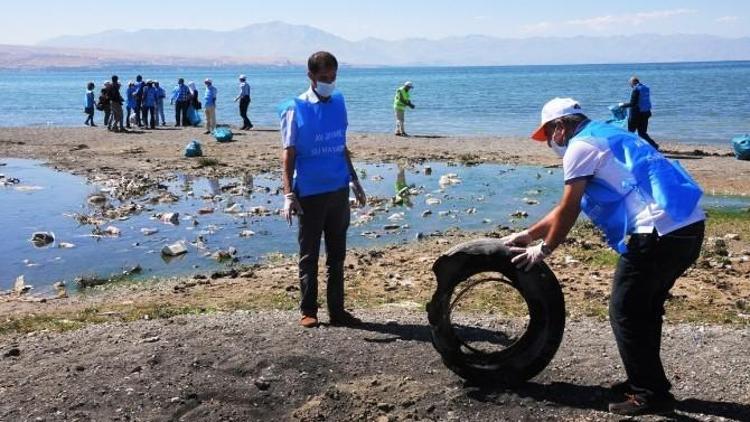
[
  {"x": 129, "y": 102},
  {"x": 640, "y": 110},
  {"x": 149, "y": 104},
  {"x": 180, "y": 99},
  {"x": 400, "y": 102},
  {"x": 209, "y": 104},
  {"x": 115, "y": 101},
  {"x": 88, "y": 105},
  {"x": 316, "y": 172},
  {"x": 103, "y": 104},
  {"x": 244, "y": 99},
  {"x": 160, "y": 96}
]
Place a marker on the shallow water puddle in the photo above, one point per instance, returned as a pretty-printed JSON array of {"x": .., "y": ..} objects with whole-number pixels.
[{"x": 218, "y": 215}]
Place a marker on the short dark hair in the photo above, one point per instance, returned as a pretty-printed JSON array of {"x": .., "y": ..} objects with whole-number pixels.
[
  {"x": 322, "y": 60},
  {"x": 90, "y": 85},
  {"x": 115, "y": 78},
  {"x": 181, "y": 81},
  {"x": 139, "y": 78}
]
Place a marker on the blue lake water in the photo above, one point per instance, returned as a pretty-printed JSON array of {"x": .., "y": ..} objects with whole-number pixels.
[
  {"x": 693, "y": 102},
  {"x": 45, "y": 199}
]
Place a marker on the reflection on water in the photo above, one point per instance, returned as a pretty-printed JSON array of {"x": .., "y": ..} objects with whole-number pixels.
[{"x": 215, "y": 215}]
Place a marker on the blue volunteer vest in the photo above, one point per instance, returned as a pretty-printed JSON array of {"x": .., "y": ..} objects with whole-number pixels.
[
  {"x": 320, "y": 164},
  {"x": 654, "y": 177},
  {"x": 644, "y": 97}
]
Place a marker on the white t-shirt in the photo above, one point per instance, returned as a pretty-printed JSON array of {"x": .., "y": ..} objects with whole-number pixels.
[{"x": 583, "y": 159}]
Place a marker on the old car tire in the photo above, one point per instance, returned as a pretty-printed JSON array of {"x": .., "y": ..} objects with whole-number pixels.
[{"x": 530, "y": 353}]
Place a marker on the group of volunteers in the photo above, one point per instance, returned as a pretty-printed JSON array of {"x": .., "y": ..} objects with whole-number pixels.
[
  {"x": 144, "y": 104},
  {"x": 646, "y": 205}
]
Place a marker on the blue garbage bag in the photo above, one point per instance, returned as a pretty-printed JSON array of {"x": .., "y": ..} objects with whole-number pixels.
[
  {"x": 741, "y": 145},
  {"x": 193, "y": 149},
  {"x": 193, "y": 116},
  {"x": 223, "y": 134},
  {"x": 619, "y": 116}
]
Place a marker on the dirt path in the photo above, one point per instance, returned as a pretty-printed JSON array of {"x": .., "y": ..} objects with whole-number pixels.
[
  {"x": 262, "y": 366},
  {"x": 96, "y": 152}
]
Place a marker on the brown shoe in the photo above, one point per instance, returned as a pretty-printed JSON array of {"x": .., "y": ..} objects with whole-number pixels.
[{"x": 308, "y": 321}]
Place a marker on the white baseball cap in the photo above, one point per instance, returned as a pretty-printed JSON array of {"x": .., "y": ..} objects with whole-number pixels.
[
  {"x": 554, "y": 109},
  {"x": 409, "y": 84},
  {"x": 242, "y": 77}
]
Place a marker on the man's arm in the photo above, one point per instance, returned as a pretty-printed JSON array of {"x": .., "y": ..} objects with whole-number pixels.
[
  {"x": 555, "y": 226},
  {"x": 634, "y": 95},
  {"x": 287, "y": 168}
]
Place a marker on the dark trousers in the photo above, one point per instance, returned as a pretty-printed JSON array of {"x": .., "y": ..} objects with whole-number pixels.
[
  {"x": 328, "y": 215},
  {"x": 144, "y": 114},
  {"x": 152, "y": 111},
  {"x": 244, "y": 104},
  {"x": 644, "y": 276},
  {"x": 138, "y": 110},
  {"x": 181, "y": 113},
  {"x": 107, "y": 117},
  {"x": 89, "y": 116},
  {"x": 638, "y": 122}
]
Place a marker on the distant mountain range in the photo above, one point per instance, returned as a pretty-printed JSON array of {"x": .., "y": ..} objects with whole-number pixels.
[{"x": 281, "y": 43}]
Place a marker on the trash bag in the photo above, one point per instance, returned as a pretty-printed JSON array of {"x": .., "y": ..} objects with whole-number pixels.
[
  {"x": 223, "y": 134},
  {"x": 193, "y": 116},
  {"x": 619, "y": 116},
  {"x": 193, "y": 149},
  {"x": 741, "y": 145}
]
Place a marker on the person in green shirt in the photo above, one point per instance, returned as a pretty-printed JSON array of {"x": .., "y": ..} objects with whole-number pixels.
[{"x": 400, "y": 102}]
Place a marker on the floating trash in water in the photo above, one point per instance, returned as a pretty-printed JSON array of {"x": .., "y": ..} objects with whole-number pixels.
[{"x": 41, "y": 239}]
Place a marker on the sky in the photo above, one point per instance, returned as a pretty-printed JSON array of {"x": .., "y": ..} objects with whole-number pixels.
[{"x": 27, "y": 22}]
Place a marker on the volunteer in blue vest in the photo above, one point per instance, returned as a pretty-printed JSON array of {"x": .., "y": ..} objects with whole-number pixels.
[
  {"x": 140, "y": 114},
  {"x": 181, "y": 99},
  {"x": 316, "y": 173},
  {"x": 130, "y": 102},
  {"x": 160, "y": 95},
  {"x": 209, "y": 105},
  {"x": 89, "y": 104},
  {"x": 647, "y": 207},
  {"x": 149, "y": 95},
  {"x": 640, "y": 110},
  {"x": 244, "y": 98},
  {"x": 400, "y": 102}
]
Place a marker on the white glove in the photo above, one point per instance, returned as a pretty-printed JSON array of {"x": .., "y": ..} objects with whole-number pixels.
[
  {"x": 528, "y": 257},
  {"x": 291, "y": 207},
  {"x": 522, "y": 238},
  {"x": 620, "y": 105},
  {"x": 359, "y": 193}
]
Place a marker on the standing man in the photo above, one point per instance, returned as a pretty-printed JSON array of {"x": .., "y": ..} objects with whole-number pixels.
[
  {"x": 140, "y": 114},
  {"x": 209, "y": 105},
  {"x": 149, "y": 104},
  {"x": 244, "y": 99},
  {"x": 629, "y": 190},
  {"x": 317, "y": 171},
  {"x": 181, "y": 99},
  {"x": 115, "y": 101},
  {"x": 400, "y": 102},
  {"x": 640, "y": 110},
  {"x": 160, "y": 96},
  {"x": 129, "y": 102}
]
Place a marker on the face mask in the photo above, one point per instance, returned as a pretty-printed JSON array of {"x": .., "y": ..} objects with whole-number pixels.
[
  {"x": 325, "y": 90},
  {"x": 558, "y": 149}
]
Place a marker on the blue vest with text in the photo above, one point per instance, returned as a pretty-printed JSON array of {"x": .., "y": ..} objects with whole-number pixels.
[
  {"x": 655, "y": 178},
  {"x": 320, "y": 147}
]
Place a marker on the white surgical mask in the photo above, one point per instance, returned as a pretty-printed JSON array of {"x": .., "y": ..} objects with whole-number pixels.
[
  {"x": 559, "y": 150},
  {"x": 325, "y": 90}
]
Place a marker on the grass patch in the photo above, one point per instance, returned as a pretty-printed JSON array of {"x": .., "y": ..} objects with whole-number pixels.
[{"x": 207, "y": 162}]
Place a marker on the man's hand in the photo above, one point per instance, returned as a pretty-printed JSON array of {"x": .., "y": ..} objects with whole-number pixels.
[
  {"x": 291, "y": 207},
  {"x": 522, "y": 238},
  {"x": 412, "y": 106},
  {"x": 621, "y": 105},
  {"x": 359, "y": 193},
  {"x": 527, "y": 257}
]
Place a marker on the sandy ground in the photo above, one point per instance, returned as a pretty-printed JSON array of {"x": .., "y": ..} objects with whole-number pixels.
[{"x": 228, "y": 364}]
